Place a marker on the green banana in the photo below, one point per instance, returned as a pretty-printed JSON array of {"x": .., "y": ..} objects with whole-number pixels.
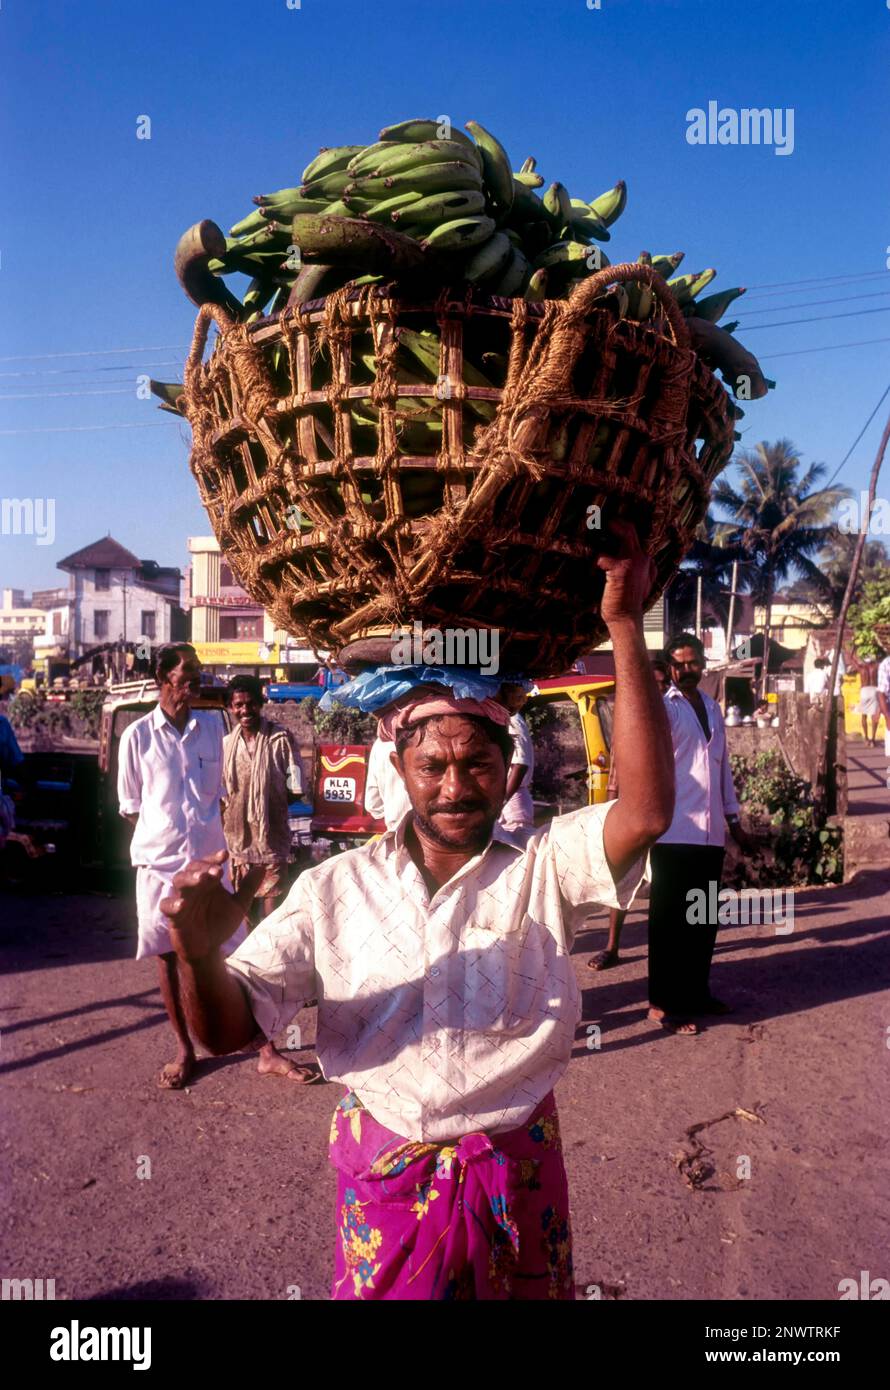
[
  {"x": 537, "y": 286},
  {"x": 496, "y": 169},
  {"x": 398, "y": 159},
  {"x": 529, "y": 179},
  {"x": 609, "y": 206},
  {"x": 490, "y": 260},
  {"x": 425, "y": 348},
  {"x": 441, "y": 207},
  {"x": 514, "y": 278},
  {"x": 281, "y": 195},
  {"x": 558, "y": 203},
  {"x": 330, "y": 161},
  {"x": 268, "y": 237},
  {"x": 425, "y": 178},
  {"x": 364, "y": 162},
  {"x": 714, "y": 306},
  {"x": 251, "y": 223},
  {"x": 258, "y": 293},
  {"x": 331, "y": 186},
  {"x": 460, "y": 233},
  {"x": 379, "y": 210},
  {"x": 561, "y": 253},
  {"x": 415, "y": 132},
  {"x": 527, "y": 206},
  {"x": 686, "y": 287},
  {"x": 529, "y": 166},
  {"x": 167, "y": 391},
  {"x": 666, "y": 265}
]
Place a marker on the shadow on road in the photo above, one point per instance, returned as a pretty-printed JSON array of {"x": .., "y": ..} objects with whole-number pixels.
[{"x": 770, "y": 981}]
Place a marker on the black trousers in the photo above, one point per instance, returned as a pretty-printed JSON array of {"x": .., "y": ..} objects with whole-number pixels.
[{"x": 680, "y": 950}]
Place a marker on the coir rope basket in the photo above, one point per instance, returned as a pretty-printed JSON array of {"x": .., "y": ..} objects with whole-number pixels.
[{"x": 311, "y": 449}]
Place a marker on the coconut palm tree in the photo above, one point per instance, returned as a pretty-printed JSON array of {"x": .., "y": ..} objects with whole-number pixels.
[
  {"x": 778, "y": 518},
  {"x": 827, "y": 586}
]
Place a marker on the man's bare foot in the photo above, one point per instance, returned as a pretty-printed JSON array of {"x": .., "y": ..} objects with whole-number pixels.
[
  {"x": 271, "y": 1063},
  {"x": 175, "y": 1075},
  {"x": 671, "y": 1024},
  {"x": 603, "y": 960}
]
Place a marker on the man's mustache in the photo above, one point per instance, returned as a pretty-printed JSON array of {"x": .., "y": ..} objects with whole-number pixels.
[{"x": 455, "y": 808}]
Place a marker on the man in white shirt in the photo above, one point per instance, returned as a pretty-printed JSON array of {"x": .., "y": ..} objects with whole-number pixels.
[
  {"x": 385, "y": 795},
  {"x": 816, "y": 681},
  {"x": 689, "y": 855},
  {"x": 447, "y": 1001},
  {"x": 519, "y": 810},
  {"x": 169, "y": 787}
]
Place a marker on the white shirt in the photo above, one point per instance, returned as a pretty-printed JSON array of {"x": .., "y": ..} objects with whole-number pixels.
[
  {"x": 385, "y": 794},
  {"x": 446, "y": 1015},
  {"x": 520, "y": 809},
  {"x": 816, "y": 682},
  {"x": 705, "y": 791},
  {"x": 884, "y": 676},
  {"x": 174, "y": 784}
]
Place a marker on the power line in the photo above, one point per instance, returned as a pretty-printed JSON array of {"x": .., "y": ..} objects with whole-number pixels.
[
  {"x": 829, "y": 347},
  {"x": 70, "y": 429},
  {"x": 821, "y": 279},
  {"x": 118, "y": 367},
  {"x": 859, "y": 436},
  {"x": 816, "y": 318},
  {"x": 98, "y": 352},
  {"x": 48, "y": 395},
  {"x": 777, "y": 308}
]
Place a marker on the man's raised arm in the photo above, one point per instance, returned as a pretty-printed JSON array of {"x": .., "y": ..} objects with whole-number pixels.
[
  {"x": 641, "y": 739},
  {"x": 202, "y": 917}
]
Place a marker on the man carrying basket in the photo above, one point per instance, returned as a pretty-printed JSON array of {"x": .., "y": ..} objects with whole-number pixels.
[{"x": 447, "y": 1000}]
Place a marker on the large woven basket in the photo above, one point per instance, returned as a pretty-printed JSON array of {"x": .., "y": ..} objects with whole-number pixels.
[{"x": 302, "y": 450}]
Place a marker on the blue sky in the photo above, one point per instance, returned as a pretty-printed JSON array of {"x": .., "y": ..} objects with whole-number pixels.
[{"x": 241, "y": 96}]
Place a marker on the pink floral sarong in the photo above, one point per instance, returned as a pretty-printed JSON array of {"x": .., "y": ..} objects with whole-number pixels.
[{"x": 480, "y": 1218}]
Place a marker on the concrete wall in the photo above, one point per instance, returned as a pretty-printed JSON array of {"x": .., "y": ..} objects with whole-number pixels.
[{"x": 799, "y": 736}]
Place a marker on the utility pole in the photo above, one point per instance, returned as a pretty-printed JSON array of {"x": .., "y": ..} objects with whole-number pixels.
[
  {"x": 831, "y": 702},
  {"x": 731, "y": 620},
  {"x": 698, "y": 607}
]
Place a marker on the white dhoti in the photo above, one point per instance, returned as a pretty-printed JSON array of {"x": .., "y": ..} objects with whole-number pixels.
[{"x": 154, "y": 930}]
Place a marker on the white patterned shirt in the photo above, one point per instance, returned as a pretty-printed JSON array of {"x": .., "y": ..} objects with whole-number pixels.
[
  {"x": 884, "y": 676},
  {"x": 447, "y": 1014}
]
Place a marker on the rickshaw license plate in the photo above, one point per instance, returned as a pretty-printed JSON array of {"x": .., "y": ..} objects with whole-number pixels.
[{"x": 339, "y": 789}]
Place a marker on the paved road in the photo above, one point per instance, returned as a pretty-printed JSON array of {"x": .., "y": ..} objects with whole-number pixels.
[{"x": 239, "y": 1203}]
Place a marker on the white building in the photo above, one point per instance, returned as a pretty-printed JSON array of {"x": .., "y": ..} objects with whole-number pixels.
[{"x": 115, "y": 597}]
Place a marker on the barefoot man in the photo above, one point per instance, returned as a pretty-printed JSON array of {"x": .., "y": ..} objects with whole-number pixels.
[
  {"x": 447, "y": 1000},
  {"x": 169, "y": 787},
  {"x": 261, "y": 775}
]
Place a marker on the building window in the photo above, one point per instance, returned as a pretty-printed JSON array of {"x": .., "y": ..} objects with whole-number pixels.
[
  {"x": 103, "y": 579},
  {"x": 148, "y": 624},
  {"x": 225, "y": 576},
  {"x": 57, "y": 625},
  {"x": 235, "y": 629},
  {"x": 100, "y": 622}
]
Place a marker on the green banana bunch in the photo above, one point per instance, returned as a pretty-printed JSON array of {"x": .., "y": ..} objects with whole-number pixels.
[{"x": 429, "y": 201}]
